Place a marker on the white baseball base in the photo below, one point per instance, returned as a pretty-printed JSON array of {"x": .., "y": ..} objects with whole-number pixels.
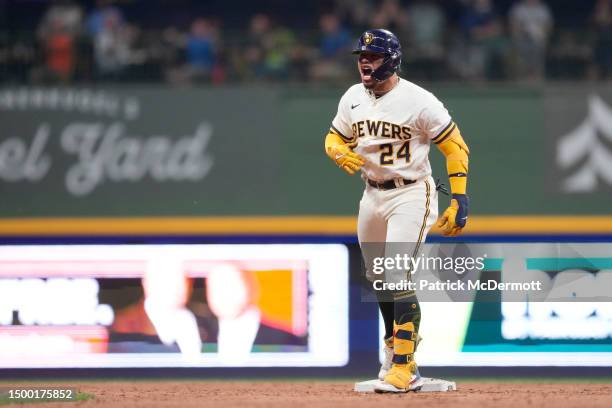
[{"x": 429, "y": 385}]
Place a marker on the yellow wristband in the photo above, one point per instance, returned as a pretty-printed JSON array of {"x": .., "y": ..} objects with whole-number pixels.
[{"x": 458, "y": 184}]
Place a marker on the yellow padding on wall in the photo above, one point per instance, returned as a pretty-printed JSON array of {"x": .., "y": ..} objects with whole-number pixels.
[{"x": 286, "y": 225}]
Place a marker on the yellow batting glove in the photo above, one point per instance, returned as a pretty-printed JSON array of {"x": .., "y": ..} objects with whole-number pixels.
[
  {"x": 455, "y": 217},
  {"x": 345, "y": 158}
]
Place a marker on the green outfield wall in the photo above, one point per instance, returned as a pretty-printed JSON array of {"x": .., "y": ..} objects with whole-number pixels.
[{"x": 158, "y": 151}]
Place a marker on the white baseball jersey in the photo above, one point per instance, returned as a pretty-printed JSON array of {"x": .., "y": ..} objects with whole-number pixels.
[{"x": 393, "y": 132}]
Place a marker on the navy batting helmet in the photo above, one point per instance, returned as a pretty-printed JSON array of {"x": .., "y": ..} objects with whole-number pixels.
[{"x": 381, "y": 41}]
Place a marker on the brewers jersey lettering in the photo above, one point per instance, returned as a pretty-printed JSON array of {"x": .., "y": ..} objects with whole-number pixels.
[{"x": 392, "y": 132}]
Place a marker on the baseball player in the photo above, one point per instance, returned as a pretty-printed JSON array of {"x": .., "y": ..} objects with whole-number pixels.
[{"x": 384, "y": 127}]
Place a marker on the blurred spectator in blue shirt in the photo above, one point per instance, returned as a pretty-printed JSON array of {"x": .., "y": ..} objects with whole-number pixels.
[
  {"x": 335, "y": 39},
  {"x": 200, "y": 49},
  {"x": 334, "y": 49},
  {"x": 482, "y": 45},
  {"x": 479, "y": 20},
  {"x": 96, "y": 18}
]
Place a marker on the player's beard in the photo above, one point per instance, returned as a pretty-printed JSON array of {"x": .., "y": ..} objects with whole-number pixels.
[
  {"x": 375, "y": 85},
  {"x": 369, "y": 84}
]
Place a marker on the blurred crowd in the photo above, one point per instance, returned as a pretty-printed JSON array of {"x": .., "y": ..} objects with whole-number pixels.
[{"x": 475, "y": 40}]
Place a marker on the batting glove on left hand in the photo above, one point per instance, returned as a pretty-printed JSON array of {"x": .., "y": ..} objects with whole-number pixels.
[{"x": 455, "y": 217}]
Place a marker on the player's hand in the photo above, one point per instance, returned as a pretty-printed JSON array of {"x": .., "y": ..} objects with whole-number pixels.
[
  {"x": 346, "y": 158},
  {"x": 455, "y": 217}
]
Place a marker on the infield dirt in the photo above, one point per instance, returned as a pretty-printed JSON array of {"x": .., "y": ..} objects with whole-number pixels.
[{"x": 285, "y": 394}]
